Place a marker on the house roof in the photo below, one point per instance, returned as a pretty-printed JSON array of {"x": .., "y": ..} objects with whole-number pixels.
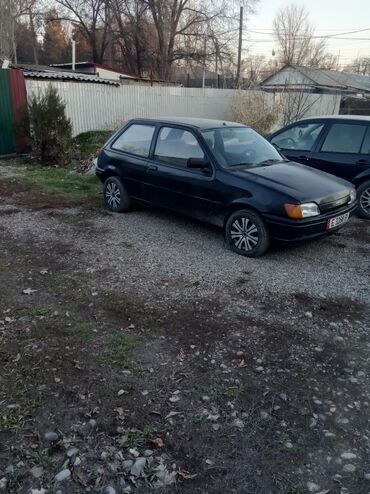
[
  {"x": 46, "y": 72},
  {"x": 123, "y": 73},
  {"x": 59, "y": 75},
  {"x": 326, "y": 78}
]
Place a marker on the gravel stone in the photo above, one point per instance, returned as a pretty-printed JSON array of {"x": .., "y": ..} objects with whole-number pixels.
[
  {"x": 138, "y": 467},
  {"x": 63, "y": 475},
  {"x": 51, "y": 436}
]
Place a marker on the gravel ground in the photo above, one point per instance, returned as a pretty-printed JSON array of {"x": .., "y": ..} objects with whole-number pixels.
[
  {"x": 262, "y": 364},
  {"x": 154, "y": 251}
]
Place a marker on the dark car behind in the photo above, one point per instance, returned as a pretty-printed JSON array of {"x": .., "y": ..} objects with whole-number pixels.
[{"x": 339, "y": 145}]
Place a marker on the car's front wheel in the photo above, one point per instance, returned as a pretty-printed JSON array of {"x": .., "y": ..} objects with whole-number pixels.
[
  {"x": 363, "y": 196},
  {"x": 115, "y": 195},
  {"x": 247, "y": 234}
]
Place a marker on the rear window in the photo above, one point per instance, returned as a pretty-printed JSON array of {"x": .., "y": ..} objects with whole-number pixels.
[
  {"x": 344, "y": 138},
  {"x": 135, "y": 140}
]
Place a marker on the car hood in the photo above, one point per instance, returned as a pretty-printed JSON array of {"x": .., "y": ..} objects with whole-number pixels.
[{"x": 298, "y": 181}]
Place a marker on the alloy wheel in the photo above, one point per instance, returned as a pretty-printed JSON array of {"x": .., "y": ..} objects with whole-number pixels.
[
  {"x": 113, "y": 195},
  {"x": 365, "y": 200},
  {"x": 244, "y": 234}
]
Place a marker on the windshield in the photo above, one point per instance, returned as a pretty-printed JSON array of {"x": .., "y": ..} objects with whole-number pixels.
[{"x": 240, "y": 146}]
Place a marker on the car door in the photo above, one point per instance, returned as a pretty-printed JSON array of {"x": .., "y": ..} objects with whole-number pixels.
[
  {"x": 338, "y": 151},
  {"x": 298, "y": 140},
  {"x": 129, "y": 153},
  {"x": 170, "y": 183}
]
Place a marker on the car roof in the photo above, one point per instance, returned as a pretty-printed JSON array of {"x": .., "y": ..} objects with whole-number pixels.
[
  {"x": 199, "y": 123},
  {"x": 365, "y": 118}
]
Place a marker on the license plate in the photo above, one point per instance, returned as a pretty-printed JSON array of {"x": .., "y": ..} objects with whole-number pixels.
[{"x": 337, "y": 221}]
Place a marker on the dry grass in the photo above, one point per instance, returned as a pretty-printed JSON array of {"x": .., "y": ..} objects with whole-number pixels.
[{"x": 255, "y": 109}]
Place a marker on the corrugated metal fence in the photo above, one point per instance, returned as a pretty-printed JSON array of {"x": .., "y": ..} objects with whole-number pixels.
[
  {"x": 99, "y": 107},
  {"x": 12, "y": 98}
]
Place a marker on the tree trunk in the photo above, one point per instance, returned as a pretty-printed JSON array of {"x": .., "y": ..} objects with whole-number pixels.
[{"x": 7, "y": 26}]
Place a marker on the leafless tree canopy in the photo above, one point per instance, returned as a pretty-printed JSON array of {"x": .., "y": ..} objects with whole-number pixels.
[
  {"x": 295, "y": 35},
  {"x": 147, "y": 37}
]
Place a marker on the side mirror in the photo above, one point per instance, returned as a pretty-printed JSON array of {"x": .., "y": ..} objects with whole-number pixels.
[{"x": 196, "y": 163}]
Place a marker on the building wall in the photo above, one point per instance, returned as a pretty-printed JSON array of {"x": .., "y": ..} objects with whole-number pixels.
[
  {"x": 103, "y": 107},
  {"x": 107, "y": 74}
]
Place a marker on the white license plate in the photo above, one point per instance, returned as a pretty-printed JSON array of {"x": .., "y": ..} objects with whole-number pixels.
[{"x": 337, "y": 221}]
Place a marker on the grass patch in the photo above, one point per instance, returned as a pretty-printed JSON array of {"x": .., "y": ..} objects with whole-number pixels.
[
  {"x": 119, "y": 349},
  {"x": 63, "y": 181},
  {"x": 83, "y": 330},
  {"x": 137, "y": 438},
  {"x": 89, "y": 142}
]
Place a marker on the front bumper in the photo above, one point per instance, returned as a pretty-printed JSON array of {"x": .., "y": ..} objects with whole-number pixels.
[{"x": 288, "y": 230}]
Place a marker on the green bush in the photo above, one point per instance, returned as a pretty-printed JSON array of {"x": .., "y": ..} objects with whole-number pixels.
[{"x": 46, "y": 127}]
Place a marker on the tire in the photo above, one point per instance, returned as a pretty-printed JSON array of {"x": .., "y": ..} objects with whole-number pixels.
[
  {"x": 247, "y": 234},
  {"x": 115, "y": 195},
  {"x": 363, "y": 197}
]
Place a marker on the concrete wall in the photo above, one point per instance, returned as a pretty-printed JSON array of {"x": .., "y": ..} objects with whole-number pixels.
[{"x": 104, "y": 107}]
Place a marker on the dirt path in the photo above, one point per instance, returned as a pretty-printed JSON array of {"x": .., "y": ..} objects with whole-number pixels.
[{"x": 159, "y": 359}]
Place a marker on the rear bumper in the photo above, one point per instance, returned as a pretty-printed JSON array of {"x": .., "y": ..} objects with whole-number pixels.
[{"x": 287, "y": 230}]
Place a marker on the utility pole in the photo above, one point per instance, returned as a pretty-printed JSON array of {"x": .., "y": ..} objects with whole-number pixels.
[
  {"x": 204, "y": 62},
  {"x": 239, "y": 47},
  {"x": 73, "y": 55},
  {"x": 33, "y": 31}
]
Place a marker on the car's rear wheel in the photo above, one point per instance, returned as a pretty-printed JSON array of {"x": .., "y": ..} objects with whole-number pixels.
[
  {"x": 115, "y": 195},
  {"x": 246, "y": 233},
  {"x": 363, "y": 196}
]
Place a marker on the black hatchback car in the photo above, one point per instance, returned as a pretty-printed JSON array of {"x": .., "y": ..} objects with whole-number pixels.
[
  {"x": 223, "y": 173},
  {"x": 338, "y": 144}
]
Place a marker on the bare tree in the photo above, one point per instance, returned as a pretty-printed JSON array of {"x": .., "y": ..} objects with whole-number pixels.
[
  {"x": 361, "y": 66},
  {"x": 295, "y": 105},
  {"x": 89, "y": 16},
  {"x": 7, "y": 26},
  {"x": 295, "y": 35}
]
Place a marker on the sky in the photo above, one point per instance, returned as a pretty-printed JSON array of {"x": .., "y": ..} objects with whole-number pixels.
[{"x": 329, "y": 17}]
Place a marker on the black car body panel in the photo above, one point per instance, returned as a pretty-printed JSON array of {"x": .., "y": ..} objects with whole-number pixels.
[
  {"x": 212, "y": 193},
  {"x": 351, "y": 166}
]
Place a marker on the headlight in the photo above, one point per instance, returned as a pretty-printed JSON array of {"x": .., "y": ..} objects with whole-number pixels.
[
  {"x": 353, "y": 196},
  {"x": 299, "y": 211}
]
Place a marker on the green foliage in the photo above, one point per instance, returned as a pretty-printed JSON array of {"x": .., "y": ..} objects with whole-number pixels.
[
  {"x": 89, "y": 142},
  {"x": 65, "y": 182},
  {"x": 46, "y": 127}
]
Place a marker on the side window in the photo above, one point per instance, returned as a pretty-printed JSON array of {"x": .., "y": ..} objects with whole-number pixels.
[
  {"x": 365, "y": 148},
  {"x": 301, "y": 137},
  {"x": 135, "y": 140},
  {"x": 176, "y": 146},
  {"x": 344, "y": 138}
]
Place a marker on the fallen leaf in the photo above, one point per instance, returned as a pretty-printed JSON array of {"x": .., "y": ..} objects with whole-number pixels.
[
  {"x": 182, "y": 355},
  {"x": 187, "y": 475},
  {"x": 242, "y": 364},
  {"x": 172, "y": 414},
  {"x": 80, "y": 476},
  {"x": 28, "y": 291},
  {"x": 158, "y": 442}
]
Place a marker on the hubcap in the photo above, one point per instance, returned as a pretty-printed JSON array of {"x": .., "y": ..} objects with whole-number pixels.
[
  {"x": 365, "y": 200},
  {"x": 244, "y": 233},
  {"x": 113, "y": 195}
]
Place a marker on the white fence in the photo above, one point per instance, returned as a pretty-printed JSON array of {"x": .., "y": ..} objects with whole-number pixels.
[{"x": 104, "y": 107}]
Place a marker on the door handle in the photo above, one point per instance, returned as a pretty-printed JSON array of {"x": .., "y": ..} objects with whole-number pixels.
[
  {"x": 152, "y": 168},
  {"x": 303, "y": 157},
  {"x": 362, "y": 162}
]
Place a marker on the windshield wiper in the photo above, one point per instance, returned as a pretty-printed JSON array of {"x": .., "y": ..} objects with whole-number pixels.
[{"x": 271, "y": 161}]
